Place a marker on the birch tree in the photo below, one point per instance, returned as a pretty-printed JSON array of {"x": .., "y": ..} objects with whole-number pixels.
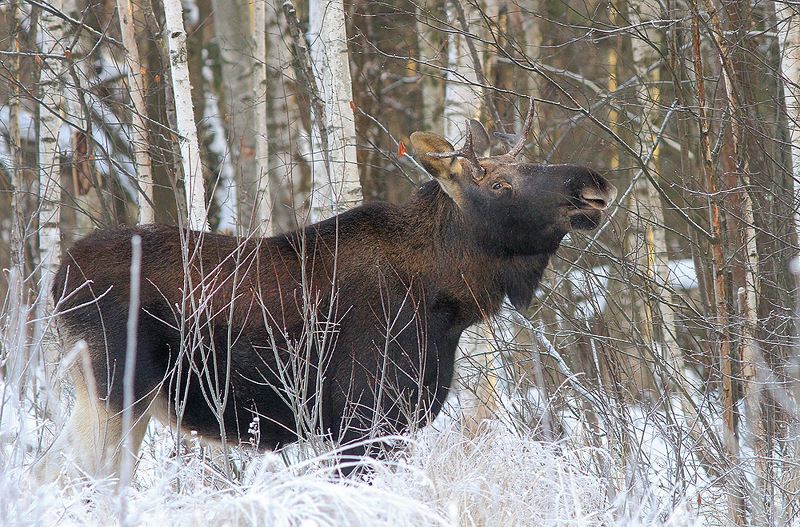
[
  {"x": 789, "y": 41},
  {"x": 138, "y": 136},
  {"x": 51, "y": 86},
  {"x": 337, "y": 187},
  {"x": 51, "y": 41},
  {"x": 234, "y": 36},
  {"x": 263, "y": 201},
  {"x": 462, "y": 98},
  {"x": 194, "y": 187}
]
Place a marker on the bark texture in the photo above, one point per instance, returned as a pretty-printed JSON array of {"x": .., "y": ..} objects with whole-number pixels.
[
  {"x": 194, "y": 187},
  {"x": 339, "y": 187}
]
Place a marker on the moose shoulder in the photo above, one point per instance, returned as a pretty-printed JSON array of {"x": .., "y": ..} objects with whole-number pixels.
[{"x": 347, "y": 327}]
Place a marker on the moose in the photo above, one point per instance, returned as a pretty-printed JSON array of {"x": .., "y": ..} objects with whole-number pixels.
[{"x": 347, "y": 327}]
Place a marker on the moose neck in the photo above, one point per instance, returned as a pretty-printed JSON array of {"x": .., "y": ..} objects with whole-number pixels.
[{"x": 475, "y": 276}]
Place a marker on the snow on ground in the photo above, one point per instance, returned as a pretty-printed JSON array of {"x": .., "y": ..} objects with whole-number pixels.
[{"x": 441, "y": 477}]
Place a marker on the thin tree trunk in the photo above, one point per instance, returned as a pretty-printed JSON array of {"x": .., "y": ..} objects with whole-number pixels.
[
  {"x": 629, "y": 310},
  {"x": 15, "y": 323},
  {"x": 731, "y": 444},
  {"x": 462, "y": 99},
  {"x": 136, "y": 88},
  {"x": 533, "y": 38},
  {"x": 263, "y": 200},
  {"x": 49, "y": 159},
  {"x": 645, "y": 204},
  {"x": 51, "y": 85},
  {"x": 194, "y": 187},
  {"x": 789, "y": 40},
  {"x": 314, "y": 147},
  {"x": 750, "y": 355},
  {"x": 17, "y": 203},
  {"x": 654, "y": 236},
  {"x": 234, "y": 34},
  {"x": 430, "y": 51},
  {"x": 283, "y": 120},
  {"x": 341, "y": 189}
]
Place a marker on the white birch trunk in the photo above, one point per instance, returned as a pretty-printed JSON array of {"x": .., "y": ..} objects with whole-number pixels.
[
  {"x": 338, "y": 188},
  {"x": 138, "y": 136},
  {"x": 51, "y": 37},
  {"x": 51, "y": 41},
  {"x": 263, "y": 200},
  {"x": 462, "y": 99},
  {"x": 194, "y": 187},
  {"x": 532, "y": 31},
  {"x": 789, "y": 41}
]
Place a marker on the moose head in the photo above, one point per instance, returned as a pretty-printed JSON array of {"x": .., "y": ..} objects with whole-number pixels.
[{"x": 514, "y": 208}]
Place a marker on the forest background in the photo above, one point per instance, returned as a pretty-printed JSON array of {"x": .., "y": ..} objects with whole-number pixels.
[{"x": 654, "y": 380}]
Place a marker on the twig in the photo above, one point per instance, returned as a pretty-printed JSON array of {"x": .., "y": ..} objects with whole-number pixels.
[{"x": 129, "y": 374}]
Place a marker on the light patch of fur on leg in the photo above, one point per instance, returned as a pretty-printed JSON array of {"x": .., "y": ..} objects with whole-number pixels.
[
  {"x": 93, "y": 437},
  {"x": 93, "y": 440}
]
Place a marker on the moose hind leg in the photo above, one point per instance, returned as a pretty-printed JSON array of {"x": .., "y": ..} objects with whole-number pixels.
[{"x": 97, "y": 438}]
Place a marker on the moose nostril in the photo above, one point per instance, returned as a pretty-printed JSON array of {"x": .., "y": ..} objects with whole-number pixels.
[{"x": 595, "y": 198}]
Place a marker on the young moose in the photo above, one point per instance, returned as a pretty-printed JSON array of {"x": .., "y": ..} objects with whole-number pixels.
[{"x": 347, "y": 327}]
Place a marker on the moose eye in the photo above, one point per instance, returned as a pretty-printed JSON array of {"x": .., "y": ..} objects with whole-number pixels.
[{"x": 497, "y": 185}]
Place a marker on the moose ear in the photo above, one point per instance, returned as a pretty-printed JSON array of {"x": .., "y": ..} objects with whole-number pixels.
[
  {"x": 480, "y": 138},
  {"x": 429, "y": 143}
]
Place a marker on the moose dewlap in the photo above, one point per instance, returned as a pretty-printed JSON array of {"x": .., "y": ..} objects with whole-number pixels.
[{"x": 348, "y": 327}]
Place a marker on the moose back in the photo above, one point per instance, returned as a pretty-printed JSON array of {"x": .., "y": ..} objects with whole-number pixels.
[{"x": 348, "y": 327}]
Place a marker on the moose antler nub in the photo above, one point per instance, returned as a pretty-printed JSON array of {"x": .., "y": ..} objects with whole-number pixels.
[
  {"x": 467, "y": 152},
  {"x": 523, "y": 135}
]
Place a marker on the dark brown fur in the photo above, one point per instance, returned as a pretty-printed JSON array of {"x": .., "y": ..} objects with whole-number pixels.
[{"x": 391, "y": 289}]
